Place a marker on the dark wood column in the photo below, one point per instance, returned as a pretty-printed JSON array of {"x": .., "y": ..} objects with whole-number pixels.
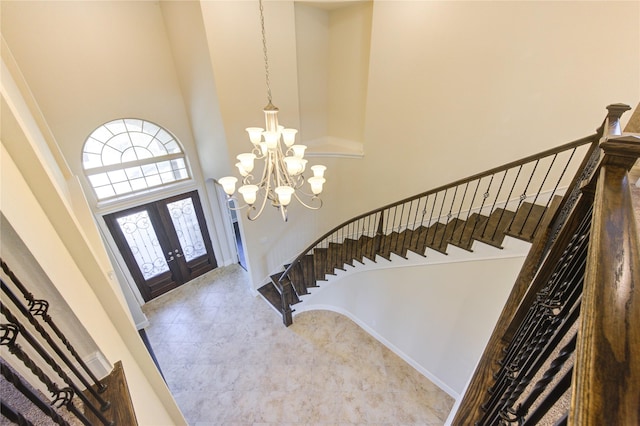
[{"x": 607, "y": 369}]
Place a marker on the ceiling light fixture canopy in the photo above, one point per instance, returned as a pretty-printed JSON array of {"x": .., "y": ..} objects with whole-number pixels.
[{"x": 284, "y": 163}]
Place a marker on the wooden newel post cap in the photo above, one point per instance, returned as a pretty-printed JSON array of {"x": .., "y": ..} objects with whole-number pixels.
[{"x": 622, "y": 150}]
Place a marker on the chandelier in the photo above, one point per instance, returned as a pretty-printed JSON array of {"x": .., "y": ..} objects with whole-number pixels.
[{"x": 284, "y": 163}]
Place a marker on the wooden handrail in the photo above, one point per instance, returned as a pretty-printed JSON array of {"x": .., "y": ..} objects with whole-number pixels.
[
  {"x": 591, "y": 139},
  {"x": 614, "y": 386},
  {"x": 607, "y": 371}
]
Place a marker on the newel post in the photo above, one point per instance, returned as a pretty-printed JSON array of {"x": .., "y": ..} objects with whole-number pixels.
[{"x": 607, "y": 367}]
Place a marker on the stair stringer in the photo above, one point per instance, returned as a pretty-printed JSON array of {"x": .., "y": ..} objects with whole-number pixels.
[
  {"x": 512, "y": 255},
  {"x": 511, "y": 247}
]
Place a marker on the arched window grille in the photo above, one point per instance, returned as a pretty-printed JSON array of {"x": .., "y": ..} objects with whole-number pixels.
[{"x": 129, "y": 155}]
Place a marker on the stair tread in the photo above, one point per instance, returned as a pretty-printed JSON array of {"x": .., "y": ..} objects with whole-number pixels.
[
  {"x": 307, "y": 266},
  {"x": 463, "y": 235},
  {"x": 296, "y": 275},
  {"x": 526, "y": 221},
  {"x": 439, "y": 234},
  {"x": 367, "y": 244},
  {"x": 271, "y": 293},
  {"x": 319, "y": 263},
  {"x": 492, "y": 232}
]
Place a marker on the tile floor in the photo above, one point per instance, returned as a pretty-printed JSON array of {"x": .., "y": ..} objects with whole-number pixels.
[{"x": 228, "y": 359}]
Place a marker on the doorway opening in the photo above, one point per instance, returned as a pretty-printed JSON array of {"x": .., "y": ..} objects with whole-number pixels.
[
  {"x": 237, "y": 236},
  {"x": 164, "y": 244}
]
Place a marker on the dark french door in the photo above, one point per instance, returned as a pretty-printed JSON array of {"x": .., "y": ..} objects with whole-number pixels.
[{"x": 164, "y": 244}]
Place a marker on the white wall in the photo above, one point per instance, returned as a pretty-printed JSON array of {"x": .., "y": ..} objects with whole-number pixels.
[
  {"x": 456, "y": 88},
  {"x": 56, "y": 227},
  {"x": 438, "y": 316}
]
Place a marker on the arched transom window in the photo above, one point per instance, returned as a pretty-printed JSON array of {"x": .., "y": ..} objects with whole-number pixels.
[{"x": 130, "y": 155}]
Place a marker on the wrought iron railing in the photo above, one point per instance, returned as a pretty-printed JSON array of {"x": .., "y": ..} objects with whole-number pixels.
[
  {"x": 458, "y": 213},
  {"x": 562, "y": 351},
  {"x": 25, "y": 333}
]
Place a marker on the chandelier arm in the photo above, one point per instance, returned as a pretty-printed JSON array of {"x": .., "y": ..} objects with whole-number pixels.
[
  {"x": 234, "y": 198},
  {"x": 253, "y": 208},
  {"x": 268, "y": 178},
  {"x": 278, "y": 163},
  {"x": 266, "y": 185},
  {"x": 265, "y": 171},
  {"x": 313, "y": 198},
  {"x": 282, "y": 168},
  {"x": 258, "y": 152}
]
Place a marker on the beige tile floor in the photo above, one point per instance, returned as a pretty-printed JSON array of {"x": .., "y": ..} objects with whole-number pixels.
[{"x": 228, "y": 359}]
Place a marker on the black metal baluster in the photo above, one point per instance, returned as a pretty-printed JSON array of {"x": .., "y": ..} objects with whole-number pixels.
[
  {"x": 407, "y": 229},
  {"x": 39, "y": 307},
  {"x": 34, "y": 322},
  {"x": 558, "y": 301},
  {"x": 540, "y": 386},
  {"x": 17, "y": 383},
  {"x": 446, "y": 224},
  {"x": 415, "y": 217},
  {"x": 556, "y": 393},
  {"x": 14, "y": 415},
  {"x": 539, "y": 190},
  {"x": 64, "y": 396},
  {"x": 486, "y": 195},
  {"x": 495, "y": 201},
  {"x": 563, "y": 295},
  {"x": 515, "y": 181},
  {"x": 566, "y": 166},
  {"x": 49, "y": 360},
  {"x": 466, "y": 222},
  {"x": 455, "y": 225},
  {"x": 437, "y": 224},
  {"x": 578, "y": 239}
]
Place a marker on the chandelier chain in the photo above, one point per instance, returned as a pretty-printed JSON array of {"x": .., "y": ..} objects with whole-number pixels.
[{"x": 264, "y": 49}]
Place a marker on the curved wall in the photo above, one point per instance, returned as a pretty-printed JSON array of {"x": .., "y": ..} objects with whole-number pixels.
[{"x": 437, "y": 317}]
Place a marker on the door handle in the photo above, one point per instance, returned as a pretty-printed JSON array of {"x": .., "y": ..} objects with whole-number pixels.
[{"x": 170, "y": 259}]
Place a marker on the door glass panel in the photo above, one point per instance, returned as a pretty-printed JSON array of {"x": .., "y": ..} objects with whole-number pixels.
[
  {"x": 187, "y": 227},
  {"x": 143, "y": 241}
]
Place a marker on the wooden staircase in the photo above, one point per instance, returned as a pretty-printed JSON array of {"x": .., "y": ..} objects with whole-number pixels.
[
  {"x": 316, "y": 267},
  {"x": 562, "y": 350},
  {"x": 513, "y": 200}
]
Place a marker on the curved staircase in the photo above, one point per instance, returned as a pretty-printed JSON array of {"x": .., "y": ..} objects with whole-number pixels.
[
  {"x": 316, "y": 267},
  {"x": 514, "y": 199},
  {"x": 562, "y": 349}
]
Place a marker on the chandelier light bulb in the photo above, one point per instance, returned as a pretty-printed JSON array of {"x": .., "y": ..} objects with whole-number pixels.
[
  {"x": 255, "y": 134},
  {"x": 241, "y": 170},
  {"x": 248, "y": 193},
  {"x": 271, "y": 138},
  {"x": 246, "y": 160},
  {"x": 298, "y": 150},
  {"x": 294, "y": 165},
  {"x": 318, "y": 170},
  {"x": 289, "y": 136},
  {"x": 316, "y": 184},
  {"x": 284, "y": 194},
  {"x": 228, "y": 184}
]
